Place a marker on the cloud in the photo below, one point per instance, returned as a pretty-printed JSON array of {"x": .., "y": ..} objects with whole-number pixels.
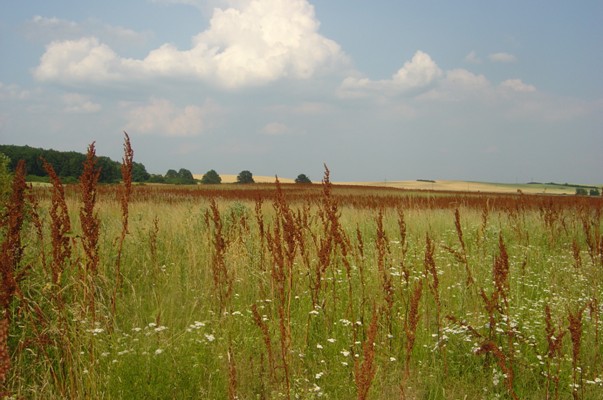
[
  {"x": 161, "y": 117},
  {"x": 473, "y": 58},
  {"x": 78, "y": 104},
  {"x": 458, "y": 84},
  {"x": 502, "y": 58},
  {"x": 252, "y": 44},
  {"x": 517, "y": 85},
  {"x": 13, "y": 92},
  {"x": 461, "y": 79},
  {"x": 47, "y": 29},
  {"x": 77, "y": 61},
  {"x": 275, "y": 129},
  {"x": 418, "y": 73}
]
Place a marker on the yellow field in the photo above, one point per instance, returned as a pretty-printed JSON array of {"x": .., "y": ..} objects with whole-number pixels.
[{"x": 466, "y": 186}]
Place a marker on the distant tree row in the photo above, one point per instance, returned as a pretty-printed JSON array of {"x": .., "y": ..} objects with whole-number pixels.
[
  {"x": 583, "y": 192},
  {"x": 69, "y": 165},
  {"x": 182, "y": 177}
]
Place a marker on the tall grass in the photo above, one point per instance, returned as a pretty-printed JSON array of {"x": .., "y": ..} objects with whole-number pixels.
[{"x": 276, "y": 291}]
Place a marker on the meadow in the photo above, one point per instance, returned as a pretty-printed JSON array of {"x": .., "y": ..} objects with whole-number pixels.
[{"x": 287, "y": 291}]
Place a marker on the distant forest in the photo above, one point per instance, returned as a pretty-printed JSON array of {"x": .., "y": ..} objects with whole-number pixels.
[{"x": 67, "y": 164}]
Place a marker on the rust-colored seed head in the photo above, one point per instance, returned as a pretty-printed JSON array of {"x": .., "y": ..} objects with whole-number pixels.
[{"x": 4, "y": 354}]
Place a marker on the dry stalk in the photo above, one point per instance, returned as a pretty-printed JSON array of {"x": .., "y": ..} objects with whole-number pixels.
[
  {"x": 386, "y": 278},
  {"x": 410, "y": 326},
  {"x": 90, "y": 224},
  {"x": 257, "y": 318},
  {"x": 125, "y": 192},
  {"x": 575, "y": 330},
  {"x": 593, "y": 307},
  {"x": 431, "y": 270},
  {"x": 554, "y": 338},
  {"x": 283, "y": 248},
  {"x": 459, "y": 233},
  {"x": 59, "y": 231},
  {"x": 10, "y": 259},
  {"x": 222, "y": 278},
  {"x": 365, "y": 372},
  {"x": 404, "y": 270},
  {"x": 505, "y": 365},
  {"x": 334, "y": 242}
]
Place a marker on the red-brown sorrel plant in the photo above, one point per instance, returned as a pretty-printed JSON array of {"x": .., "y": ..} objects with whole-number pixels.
[
  {"x": 461, "y": 255},
  {"x": 365, "y": 372},
  {"x": 333, "y": 245},
  {"x": 404, "y": 270},
  {"x": 125, "y": 192},
  {"x": 10, "y": 259},
  {"x": 554, "y": 338},
  {"x": 434, "y": 284},
  {"x": 59, "y": 231},
  {"x": 575, "y": 330},
  {"x": 257, "y": 318},
  {"x": 410, "y": 326},
  {"x": 90, "y": 224},
  {"x": 222, "y": 278},
  {"x": 386, "y": 277},
  {"x": 504, "y": 363}
]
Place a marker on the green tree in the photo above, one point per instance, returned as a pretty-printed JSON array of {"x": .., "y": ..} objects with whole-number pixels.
[
  {"x": 185, "y": 176},
  {"x": 581, "y": 192},
  {"x": 171, "y": 174},
  {"x": 302, "y": 178},
  {"x": 594, "y": 192},
  {"x": 139, "y": 172},
  {"x": 211, "y": 177},
  {"x": 110, "y": 171},
  {"x": 245, "y": 177}
]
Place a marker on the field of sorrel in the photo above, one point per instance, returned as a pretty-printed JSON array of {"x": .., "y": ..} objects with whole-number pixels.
[{"x": 297, "y": 292}]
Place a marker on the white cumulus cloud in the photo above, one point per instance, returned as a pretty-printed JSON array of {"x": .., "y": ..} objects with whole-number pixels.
[
  {"x": 79, "y": 104},
  {"x": 161, "y": 117},
  {"x": 420, "y": 72},
  {"x": 248, "y": 44},
  {"x": 517, "y": 85},
  {"x": 76, "y": 61},
  {"x": 502, "y": 58}
]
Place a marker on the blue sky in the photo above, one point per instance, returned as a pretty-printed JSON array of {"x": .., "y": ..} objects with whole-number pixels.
[{"x": 473, "y": 90}]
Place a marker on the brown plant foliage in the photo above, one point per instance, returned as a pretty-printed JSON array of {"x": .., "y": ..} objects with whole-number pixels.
[
  {"x": 60, "y": 226},
  {"x": 365, "y": 372},
  {"x": 505, "y": 365},
  {"x": 90, "y": 225},
  {"x": 575, "y": 330},
  {"x": 10, "y": 259}
]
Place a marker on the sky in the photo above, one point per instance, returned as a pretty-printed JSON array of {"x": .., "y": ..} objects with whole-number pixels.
[{"x": 378, "y": 91}]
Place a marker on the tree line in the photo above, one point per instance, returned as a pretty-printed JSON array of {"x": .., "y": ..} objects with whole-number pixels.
[{"x": 69, "y": 166}]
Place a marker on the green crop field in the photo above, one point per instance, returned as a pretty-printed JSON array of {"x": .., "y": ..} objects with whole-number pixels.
[{"x": 298, "y": 292}]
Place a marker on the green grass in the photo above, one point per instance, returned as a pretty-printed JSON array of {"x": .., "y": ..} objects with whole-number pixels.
[{"x": 171, "y": 338}]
